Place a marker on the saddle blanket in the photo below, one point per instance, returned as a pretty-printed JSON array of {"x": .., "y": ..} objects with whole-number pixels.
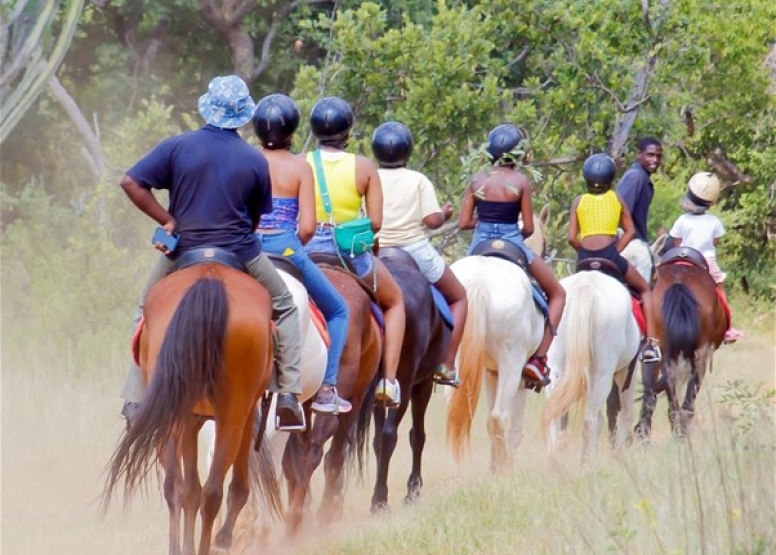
[
  {"x": 442, "y": 307},
  {"x": 638, "y": 314}
]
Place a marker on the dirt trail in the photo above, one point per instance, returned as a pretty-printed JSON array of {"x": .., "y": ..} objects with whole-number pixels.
[{"x": 57, "y": 438}]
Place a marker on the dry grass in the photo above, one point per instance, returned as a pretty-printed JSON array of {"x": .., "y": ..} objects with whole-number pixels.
[{"x": 714, "y": 495}]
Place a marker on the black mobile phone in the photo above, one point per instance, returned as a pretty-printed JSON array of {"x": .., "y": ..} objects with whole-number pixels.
[{"x": 170, "y": 242}]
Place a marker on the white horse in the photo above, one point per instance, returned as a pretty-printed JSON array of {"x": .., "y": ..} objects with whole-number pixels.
[
  {"x": 254, "y": 518},
  {"x": 503, "y": 328},
  {"x": 597, "y": 339}
]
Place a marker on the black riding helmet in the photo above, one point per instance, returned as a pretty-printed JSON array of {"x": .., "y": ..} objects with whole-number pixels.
[
  {"x": 598, "y": 171},
  {"x": 275, "y": 121},
  {"x": 502, "y": 139},
  {"x": 331, "y": 119},
  {"x": 392, "y": 144}
]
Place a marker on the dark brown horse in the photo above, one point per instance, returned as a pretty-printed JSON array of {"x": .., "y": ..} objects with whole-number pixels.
[
  {"x": 358, "y": 367},
  {"x": 206, "y": 351},
  {"x": 426, "y": 338},
  {"x": 690, "y": 324}
]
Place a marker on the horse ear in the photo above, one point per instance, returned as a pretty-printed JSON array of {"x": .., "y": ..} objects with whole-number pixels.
[
  {"x": 544, "y": 214},
  {"x": 657, "y": 247}
]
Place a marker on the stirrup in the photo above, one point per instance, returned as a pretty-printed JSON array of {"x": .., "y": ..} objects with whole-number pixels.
[
  {"x": 652, "y": 344},
  {"x": 447, "y": 376},
  {"x": 537, "y": 366},
  {"x": 291, "y": 427}
]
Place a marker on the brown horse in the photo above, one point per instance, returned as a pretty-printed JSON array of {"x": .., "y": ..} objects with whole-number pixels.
[
  {"x": 426, "y": 338},
  {"x": 206, "y": 351},
  {"x": 690, "y": 325},
  {"x": 358, "y": 368}
]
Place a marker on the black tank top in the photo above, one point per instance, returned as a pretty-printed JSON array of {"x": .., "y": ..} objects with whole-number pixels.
[{"x": 496, "y": 211}]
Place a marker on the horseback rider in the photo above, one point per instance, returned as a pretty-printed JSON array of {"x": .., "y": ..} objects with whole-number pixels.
[
  {"x": 593, "y": 222},
  {"x": 500, "y": 195},
  {"x": 219, "y": 186},
  {"x": 636, "y": 191},
  {"x": 291, "y": 224},
  {"x": 698, "y": 229},
  {"x": 350, "y": 181},
  {"x": 410, "y": 208}
]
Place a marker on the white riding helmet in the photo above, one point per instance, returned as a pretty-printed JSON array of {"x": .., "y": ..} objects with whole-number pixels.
[{"x": 703, "y": 189}]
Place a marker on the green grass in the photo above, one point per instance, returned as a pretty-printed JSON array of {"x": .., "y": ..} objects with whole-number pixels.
[{"x": 711, "y": 495}]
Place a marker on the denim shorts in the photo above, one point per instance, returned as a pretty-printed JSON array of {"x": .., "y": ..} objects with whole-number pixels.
[
  {"x": 323, "y": 241},
  {"x": 508, "y": 232},
  {"x": 430, "y": 262}
]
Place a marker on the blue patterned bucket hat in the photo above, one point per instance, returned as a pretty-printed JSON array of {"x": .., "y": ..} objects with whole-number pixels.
[{"x": 227, "y": 103}]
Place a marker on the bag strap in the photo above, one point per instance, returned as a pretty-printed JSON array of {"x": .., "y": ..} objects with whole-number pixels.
[{"x": 321, "y": 177}]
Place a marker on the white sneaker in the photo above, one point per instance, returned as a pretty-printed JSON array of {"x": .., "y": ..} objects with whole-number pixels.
[{"x": 388, "y": 393}]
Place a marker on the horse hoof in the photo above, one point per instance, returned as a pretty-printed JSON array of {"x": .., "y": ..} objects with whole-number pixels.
[
  {"x": 223, "y": 540},
  {"x": 380, "y": 509}
]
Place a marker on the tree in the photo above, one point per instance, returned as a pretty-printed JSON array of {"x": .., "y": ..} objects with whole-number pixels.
[{"x": 31, "y": 50}]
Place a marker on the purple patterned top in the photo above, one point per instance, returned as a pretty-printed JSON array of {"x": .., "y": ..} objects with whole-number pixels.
[{"x": 285, "y": 212}]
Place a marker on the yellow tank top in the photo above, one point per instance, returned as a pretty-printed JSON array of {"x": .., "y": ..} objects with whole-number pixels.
[
  {"x": 340, "y": 176},
  {"x": 598, "y": 214}
]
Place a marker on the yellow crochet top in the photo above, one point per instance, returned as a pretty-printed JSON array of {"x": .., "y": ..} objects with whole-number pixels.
[
  {"x": 340, "y": 173},
  {"x": 598, "y": 214}
]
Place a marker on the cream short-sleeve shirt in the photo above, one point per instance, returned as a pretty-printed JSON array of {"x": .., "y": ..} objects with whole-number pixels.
[{"x": 408, "y": 197}]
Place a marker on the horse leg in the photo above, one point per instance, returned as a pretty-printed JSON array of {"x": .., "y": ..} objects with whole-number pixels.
[
  {"x": 297, "y": 478},
  {"x": 229, "y": 438},
  {"x": 598, "y": 390},
  {"x": 192, "y": 489},
  {"x": 384, "y": 445},
  {"x": 612, "y": 412},
  {"x": 239, "y": 487},
  {"x": 648, "y": 402},
  {"x": 420, "y": 400},
  {"x": 622, "y": 434},
  {"x": 332, "y": 501},
  {"x": 173, "y": 486},
  {"x": 496, "y": 428}
]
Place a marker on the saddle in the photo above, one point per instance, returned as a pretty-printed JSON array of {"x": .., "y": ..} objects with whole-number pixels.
[
  {"x": 208, "y": 255},
  {"x": 684, "y": 255},
  {"x": 504, "y": 250},
  {"x": 498, "y": 248},
  {"x": 335, "y": 262},
  {"x": 280, "y": 262},
  {"x": 600, "y": 265},
  {"x": 397, "y": 253}
]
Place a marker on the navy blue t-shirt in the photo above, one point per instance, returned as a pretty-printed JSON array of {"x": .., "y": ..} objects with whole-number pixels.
[
  {"x": 636, "y": 191},
  {"x": 219, "y": 187}
]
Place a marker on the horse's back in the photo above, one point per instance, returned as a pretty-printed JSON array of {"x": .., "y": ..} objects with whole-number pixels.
[
  {"x": 247, "y": 350},
  {"x": 698, "y": 283},
  {"x": 608, "y": 306}
]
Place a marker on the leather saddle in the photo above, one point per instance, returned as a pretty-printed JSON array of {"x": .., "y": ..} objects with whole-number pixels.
[
  {"x": 502, "y": 249},
  {"x": 208, "y": 255},
  {"x": 686, "y": 255},
  {"x": 600, "y": 265}
]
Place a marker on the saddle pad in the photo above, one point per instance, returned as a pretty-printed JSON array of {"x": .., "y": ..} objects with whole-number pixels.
[
  {"x": 725, "y": 306},
  {"x": 135, "y": 344},
  {"x": 320, "y": 323},
  {"x": 638, "y": 314},
  {"x": 442, "y": 307},
  {"x": 377, "y": 314}
]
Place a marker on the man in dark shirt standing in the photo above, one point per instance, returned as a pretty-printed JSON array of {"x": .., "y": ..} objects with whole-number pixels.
[
  {"x": 219, "y": 186},
  {"x": 636, "y": 191}
]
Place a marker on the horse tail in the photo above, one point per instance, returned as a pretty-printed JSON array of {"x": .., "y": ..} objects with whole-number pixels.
[
  {"x": 471, "y": 363},
  {"x": 681, "y": 322},
  {"x": 187, "y": 367},
  {"x": 265, "y": 487},
  {"x": 359, "y": 447},
  {"x": 575, "y": 375}
]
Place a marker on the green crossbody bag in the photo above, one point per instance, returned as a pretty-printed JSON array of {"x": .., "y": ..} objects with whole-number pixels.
[{"x": 354, "y": 237}]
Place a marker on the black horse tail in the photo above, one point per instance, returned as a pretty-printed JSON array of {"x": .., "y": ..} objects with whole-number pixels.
[
  {"x": 187, "y": 367},
  {"x": 681, "y": 322}
]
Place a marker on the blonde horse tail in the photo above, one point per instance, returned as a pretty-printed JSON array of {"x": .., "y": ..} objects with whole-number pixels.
[
  {"x": 471, "y": 363},
  {"x": 575, "y": 375}
]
